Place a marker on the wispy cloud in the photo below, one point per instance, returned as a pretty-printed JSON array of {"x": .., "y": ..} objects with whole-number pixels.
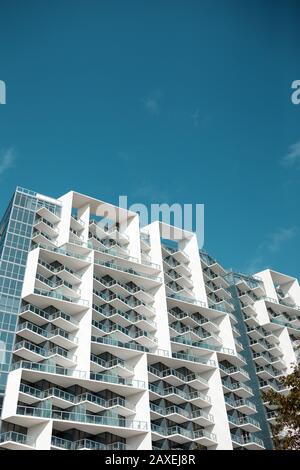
[
  {"x": 123, "y": 156},
  {"x": 272, "y": 244},
  {"x": 153, "y": 103},
  {"x": 293, "y": 155},
  {"x": 195, "y": 117},
  {"x": 7, "y": 159},
  {"x": 276, "y": 239}
]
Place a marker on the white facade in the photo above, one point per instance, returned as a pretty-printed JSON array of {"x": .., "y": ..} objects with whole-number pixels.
[{"x": 129, "y": 341}]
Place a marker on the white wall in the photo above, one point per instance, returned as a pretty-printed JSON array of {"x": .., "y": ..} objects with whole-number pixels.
[
  {"x": 266, "y": 277},
  {"x": 141, "y": 401},
  {"x": 160, "y": 302},
  {"x": 10, "y": 401},
  {"x": 287, "y": 350},
  {"x": 191, "y": 249},
  {"x": 218, "y": 409},
  {"x": 40, "y": 435},
  {"x": 30, "y": 272},
  {"x": 65, "y": 221}
]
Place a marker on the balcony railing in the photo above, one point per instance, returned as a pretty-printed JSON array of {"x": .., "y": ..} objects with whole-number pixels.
[
  {"x": 48, "y": 316},
  {"x": 82, "y": 418},
  {"x": 118, "y": 267},
  {"x": 61, "y": 251},
  {"x": 189, "y": 300},
  {"x": 190, "y": 357},
  {"x": 12, "y": 436},
  {"x": 173, "y": 372},
  {"x": 54, "y": 369},
  {"x": 132, "y": 318},
  {"x": 58, "y": 296},
  {"x": 47, "y": 333},
  {"x": 115, "y": 342}
]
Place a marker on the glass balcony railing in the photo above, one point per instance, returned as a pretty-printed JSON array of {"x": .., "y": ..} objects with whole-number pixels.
[
  {"x": 56, "y": 392},
  {"x": 234, "y": 369},
  {"x": 203, "y": 433},
  {"x": 190, "y": 357},
  {"x": 173, "y": 372},
  {"x": 31, "y": 347},
  {"x": 47, "y": 334},
  {"x": 84, "y": 397},
  {"x": 239, "y": 403},
  {"x": 118, "y": 267},
  {"x": 48, "y": 316},
  {"x": 181, "y": 393},
  {"x": 190, "y": 300},
  {"x": 62, "y": 443},
  {"x": 12, "y": 436},
  {"x": 34, "y": 412},
  {"x": 46, "y": 222},
  {"x": 116, "y": 362},
  {"x": 55, "y": 369},
  {"x": 99, "y": 420},
  {"x": 82, "y": 418},
  {"x": 114, "y": 342},
  {"x": 59, "y": 296},
  {"x": 251, "y": 439},
  {"x": 132, "y": 317},
  {"x": 88, "y": 444},
  {"x": 236, "y": 386},
  {"x": 35, "y": 392},
  {"x": 62, "y": 251},
  {"x": 243, "y": 420}
]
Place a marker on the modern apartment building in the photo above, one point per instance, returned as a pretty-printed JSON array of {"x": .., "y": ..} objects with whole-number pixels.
[{"x": 116, "y": 336}]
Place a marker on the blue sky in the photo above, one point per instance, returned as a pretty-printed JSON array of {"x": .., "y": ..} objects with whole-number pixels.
[{"x": 182, "y": 101}]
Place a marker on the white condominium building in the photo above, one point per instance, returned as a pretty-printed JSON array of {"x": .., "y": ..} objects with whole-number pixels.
[{"x": 116, "y": 336}]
